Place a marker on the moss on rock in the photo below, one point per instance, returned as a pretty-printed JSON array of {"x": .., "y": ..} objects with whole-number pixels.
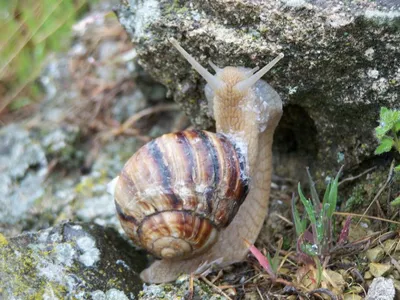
[{"x": 69, "y": 261}]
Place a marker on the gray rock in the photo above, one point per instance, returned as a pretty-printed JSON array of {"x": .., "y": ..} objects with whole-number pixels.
[
  {"x": 340, "y": 66},
  {"x": 60, "y": 143},
  {"x": 153, "y": 90},
  {"x": 70, "y": 261},
  {"x": 128, "y": 105},
  {"x": 381, "y": 289},
  {"x": 31, "y": 197},
  {"x": 23, "y": 167}
]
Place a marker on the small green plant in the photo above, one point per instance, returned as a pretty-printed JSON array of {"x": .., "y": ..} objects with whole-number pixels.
[
  {"x": 387, "y": 131},
  {"x": 315, "y": 238},
  {"x": 387, "y": 134}
]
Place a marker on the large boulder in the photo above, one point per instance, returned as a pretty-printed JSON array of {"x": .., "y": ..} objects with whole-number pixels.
[
  {"x": 341, "y": 65},
  {"x": 69, "y": 261}
]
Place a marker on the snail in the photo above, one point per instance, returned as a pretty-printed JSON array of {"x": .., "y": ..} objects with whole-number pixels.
[{"x": 191, "y": 197}]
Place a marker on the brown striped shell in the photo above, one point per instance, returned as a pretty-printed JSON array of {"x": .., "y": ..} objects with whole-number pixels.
[{"x": 176, "y": 193}]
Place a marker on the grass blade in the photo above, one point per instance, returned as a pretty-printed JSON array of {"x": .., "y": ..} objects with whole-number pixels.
[
  {"x": 314, "y": 194},
  {"x": 333, "y": 195},
  {"x": 310, "y": 212},
  {"x": 299, "y": 224}
]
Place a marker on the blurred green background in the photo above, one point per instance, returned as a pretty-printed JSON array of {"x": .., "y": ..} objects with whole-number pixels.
[{"x": 30, "y": 30}]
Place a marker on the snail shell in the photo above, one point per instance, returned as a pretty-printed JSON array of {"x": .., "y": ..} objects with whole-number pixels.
[
  {"x": 175, "y": 194},
  {"x": 180, "y": 191}
]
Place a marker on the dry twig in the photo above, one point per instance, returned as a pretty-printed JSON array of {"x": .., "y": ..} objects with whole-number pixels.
[
  {"x": 214, "y": 287},
  {"x": 351, "y": 178},
  {"x": 126, "y": 126},
  {"x": 389, "y": 178},
  {"x": 365, "y": 216}
]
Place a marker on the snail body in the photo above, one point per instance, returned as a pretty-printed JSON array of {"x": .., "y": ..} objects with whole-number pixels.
[{"x": 182, "y": 196}]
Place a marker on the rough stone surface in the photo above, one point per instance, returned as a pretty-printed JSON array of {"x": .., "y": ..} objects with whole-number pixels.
[
  {"x": 381, "y": 289},
  {"x": 23, "y": 167},
  {"x": 378, "y": 270},
  {"x": 60, "y": 144},
  {"x": 69, "y": 261},
  {"x": 341, "y": 64},
  {"x": 375, "y": 254},
  {"x": 28, "y": 197}
]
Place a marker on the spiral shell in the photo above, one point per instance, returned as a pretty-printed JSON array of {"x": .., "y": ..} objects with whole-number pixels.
[{"x": 175, "y": 194}]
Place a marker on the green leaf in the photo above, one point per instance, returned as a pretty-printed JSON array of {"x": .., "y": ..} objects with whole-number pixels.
[
  {"x": 332, "y": 199},
  {"x": 273, "y": 262},
  {"x": 311, "y": 250},
  {"x": 299, "y": 224},
  {"x": 385, "y": 145},
  {"x": 19, "y": 103},
  {"x": 314, "y": 194},
  {"x": 387, "y": 121},
  {"x": 395, "y": 202},
  {"x": 307, "y": 205},
  {"x": 397, "y": 127},
  {"x": 326, "y": 195},
  {"x": 319, "y": 270},
  {"x": 397, "y": 168}
]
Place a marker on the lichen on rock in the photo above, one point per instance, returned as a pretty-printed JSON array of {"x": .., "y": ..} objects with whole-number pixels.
[
  {"x": 23, "y": 169},
  {"x": 70, "y": 260}
]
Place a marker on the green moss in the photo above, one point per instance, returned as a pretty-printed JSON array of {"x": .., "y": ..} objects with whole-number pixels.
[
  {"x": 363, "y": 192},
  {"x": 85, "y": 187},
  {"x": 114, "y": 283},
  {"x": 3, "y": 241},
  {"x": 176, "y": 8},
  {"x": 356, "y": 199},
  {"x": 20, "y": 268},
  {"x": 57, "y": 290}
]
